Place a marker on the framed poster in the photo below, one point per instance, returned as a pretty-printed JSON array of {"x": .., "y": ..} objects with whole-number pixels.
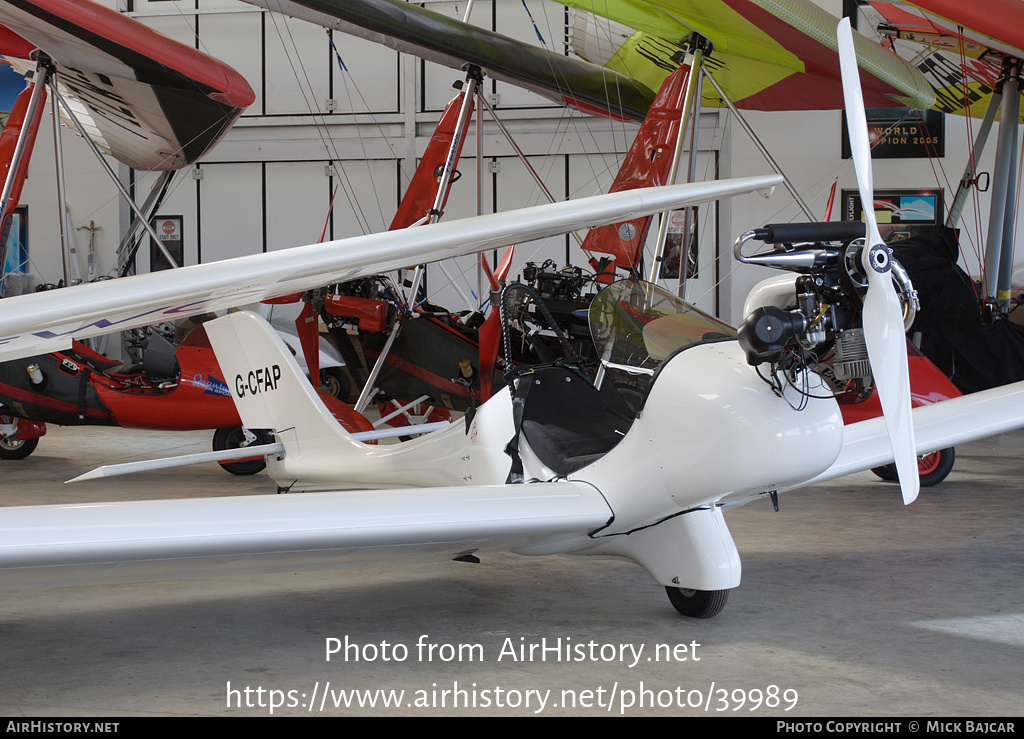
[
  {"x": 900, "y": 213},
  {"x": 901, "y": 133}
]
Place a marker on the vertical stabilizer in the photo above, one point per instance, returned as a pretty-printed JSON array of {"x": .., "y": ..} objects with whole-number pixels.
[
  {"x": 269, "y": 388},
  {"x": 271, "y": 392}
]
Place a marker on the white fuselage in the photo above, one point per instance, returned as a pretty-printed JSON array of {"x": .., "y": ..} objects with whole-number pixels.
[{"x": 709, "y": 427}]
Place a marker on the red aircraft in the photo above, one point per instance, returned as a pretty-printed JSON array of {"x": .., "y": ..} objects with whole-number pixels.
[{"x": 117, "y": 57}]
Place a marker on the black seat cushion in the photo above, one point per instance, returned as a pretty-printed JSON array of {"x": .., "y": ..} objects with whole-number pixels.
[{"x": 568, "y": 422}]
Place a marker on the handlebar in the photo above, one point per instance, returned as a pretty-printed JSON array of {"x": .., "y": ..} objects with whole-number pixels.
[{"x": 791, "y": 233}]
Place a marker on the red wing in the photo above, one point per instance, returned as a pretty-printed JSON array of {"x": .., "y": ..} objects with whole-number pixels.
[{"x": 150, "y": 101}]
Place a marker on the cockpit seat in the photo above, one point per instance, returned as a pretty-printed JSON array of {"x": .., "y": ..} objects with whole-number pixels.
[{"x": 569, "y": 423}]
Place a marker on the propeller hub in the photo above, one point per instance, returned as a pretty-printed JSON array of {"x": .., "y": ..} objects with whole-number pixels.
[{"x": 880, "y": 258}]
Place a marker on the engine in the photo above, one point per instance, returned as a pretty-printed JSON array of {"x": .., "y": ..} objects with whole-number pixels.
[{"x": 813, "y": 321}]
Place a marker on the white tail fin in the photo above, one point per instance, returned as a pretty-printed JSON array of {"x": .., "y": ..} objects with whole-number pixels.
[
  {"x": 271, "y": 392},
  {"x": 268, "y": 387}
]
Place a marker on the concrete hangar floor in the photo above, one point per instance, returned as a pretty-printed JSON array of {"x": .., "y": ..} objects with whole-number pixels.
[{"x": 850, "y": 605}]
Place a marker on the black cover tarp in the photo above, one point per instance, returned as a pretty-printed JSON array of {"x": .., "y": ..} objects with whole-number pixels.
[{"x": 975, "y": 355}]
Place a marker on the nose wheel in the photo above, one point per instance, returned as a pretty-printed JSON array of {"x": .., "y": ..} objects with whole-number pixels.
[{"x": 698, "y": 603}]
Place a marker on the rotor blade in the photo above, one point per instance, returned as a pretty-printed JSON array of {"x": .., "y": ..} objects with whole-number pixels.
[{"x": 883, "y": 315}]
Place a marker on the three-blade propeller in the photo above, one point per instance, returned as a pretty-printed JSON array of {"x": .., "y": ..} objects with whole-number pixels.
[{"x": 883, "y": 314}]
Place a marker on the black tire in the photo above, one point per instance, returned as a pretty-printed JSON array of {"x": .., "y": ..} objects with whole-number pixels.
[
  {"x": 935, "y": 468},
  {"x": 335, "y": 381},
  {"x": 698, "y": 603},
  {"x": 885, "y": 472},
  {"x": 17, "y": 449},
  {"x": 234, "y": 438},
  {"x": 932, "y": 468}
]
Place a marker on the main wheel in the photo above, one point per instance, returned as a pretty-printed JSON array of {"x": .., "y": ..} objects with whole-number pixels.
[
  {"x": 931, "y": 468},
  {"x": 335, "y": 381},
  {"x": 935, "y": 467},
  {"x": 14, "y": 448},
  {"x": 886, "y": 472},
  {"x": 236, "y": 438},
  {"x": 698, "y": 603}
]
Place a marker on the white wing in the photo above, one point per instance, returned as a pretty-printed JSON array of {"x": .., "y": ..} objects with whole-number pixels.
[
  {"x": 936, "y": 426},
  {"x": 43, "y": 546},
  {"x": 45, "y": 322}
]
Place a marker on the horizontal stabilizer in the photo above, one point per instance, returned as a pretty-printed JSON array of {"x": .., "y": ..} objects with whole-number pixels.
[{"x": 263, "y": 450}]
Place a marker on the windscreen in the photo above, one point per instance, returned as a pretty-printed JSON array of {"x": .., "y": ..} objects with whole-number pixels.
[{"x": 636, "y": 325}]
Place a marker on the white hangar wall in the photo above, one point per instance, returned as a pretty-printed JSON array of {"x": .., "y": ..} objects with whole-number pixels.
[{"x": 315, "y": 127}]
